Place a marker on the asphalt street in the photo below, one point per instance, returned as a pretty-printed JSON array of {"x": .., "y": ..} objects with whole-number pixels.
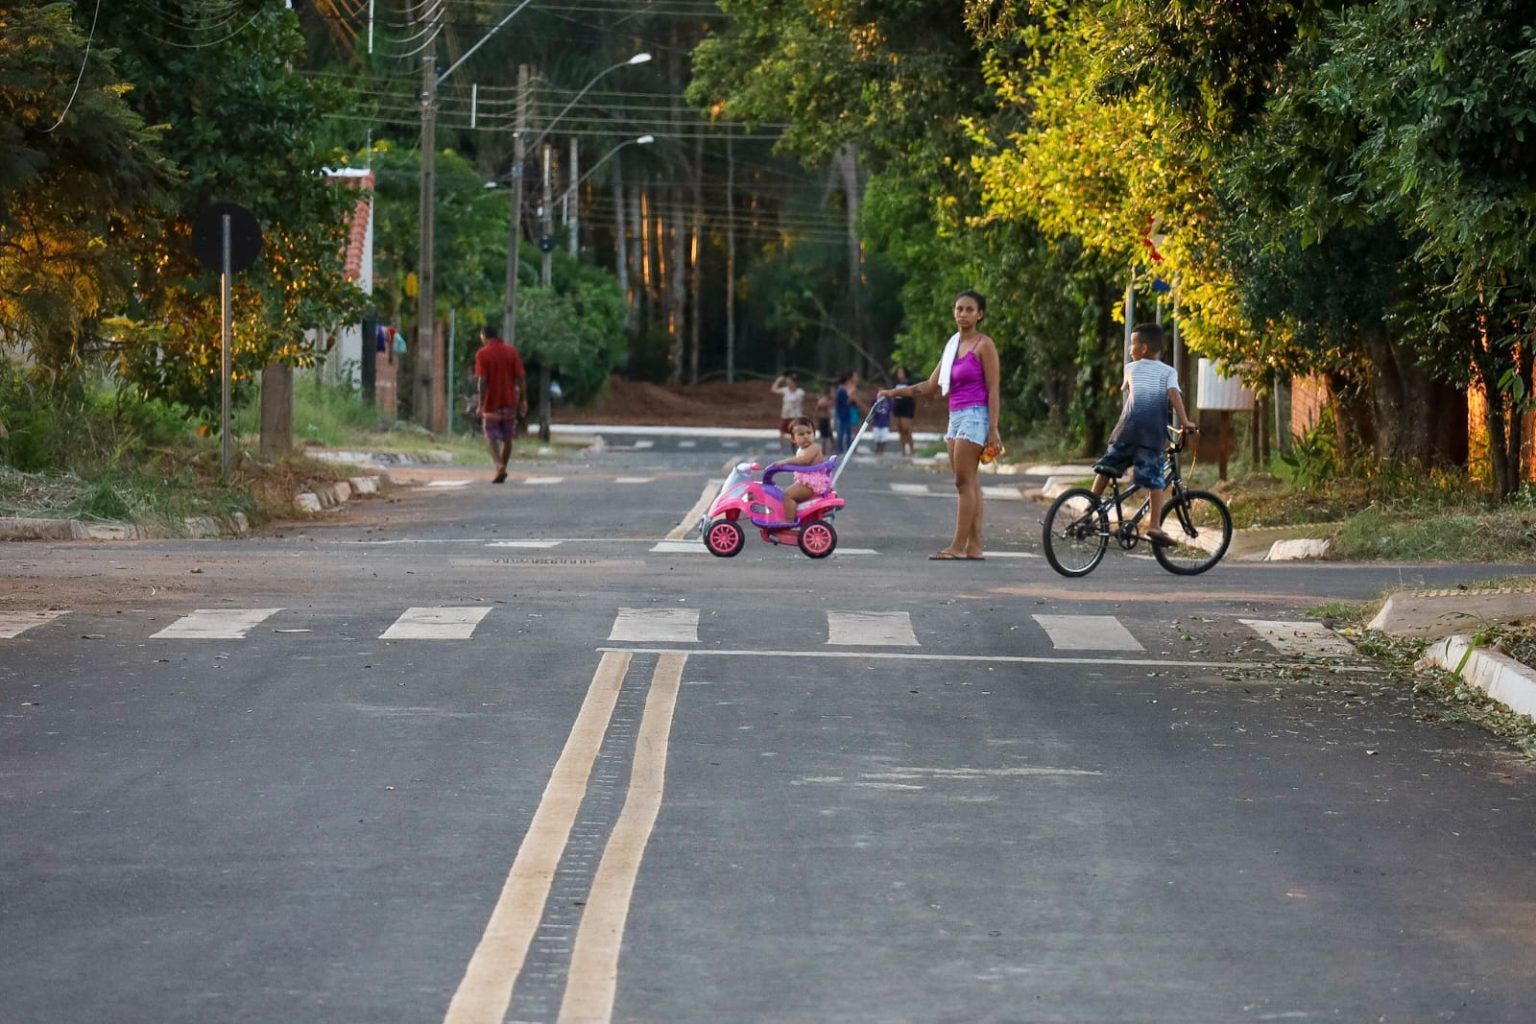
[{"x": 528, "y": 753}]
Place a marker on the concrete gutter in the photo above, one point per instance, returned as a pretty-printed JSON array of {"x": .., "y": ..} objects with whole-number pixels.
[
  {"x": 1436, "y": 613},
  {"x": 1500, "y": 676}
]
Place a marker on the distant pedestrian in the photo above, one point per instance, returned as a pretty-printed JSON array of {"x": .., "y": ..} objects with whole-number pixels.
[
  {"x": 790, "y": 408},
  {"x": 846, "y": 412},
  {"x": 880, "y": 425},
  {"x": 903, "y": 411},
  {"x": 824, "y": 405},
  {"x": 968, "y": 374},
  {"x": 503, "y": 396}
]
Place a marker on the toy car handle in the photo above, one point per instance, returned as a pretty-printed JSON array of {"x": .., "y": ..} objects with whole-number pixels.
[{"x": 777, "y": 467}]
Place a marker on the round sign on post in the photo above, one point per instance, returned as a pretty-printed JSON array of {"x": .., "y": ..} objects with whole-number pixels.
[
  {"x": 208, "y": 237},
  {"x": 546, "y": 243}
]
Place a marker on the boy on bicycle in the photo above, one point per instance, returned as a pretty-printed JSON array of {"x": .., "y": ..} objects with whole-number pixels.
[{"x": 1151, "y": 393}]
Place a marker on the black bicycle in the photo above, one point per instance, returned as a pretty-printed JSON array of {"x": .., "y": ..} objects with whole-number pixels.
[{"x": 1080, "y": 525}]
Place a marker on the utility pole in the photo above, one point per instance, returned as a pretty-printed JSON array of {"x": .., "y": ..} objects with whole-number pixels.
[
  {"x": 730, "y": 261},
  {"x": 575, "y": 217},
  {"x": 426, "y": 298},
  {"x": 515, "y": 224},
  {"x": 547, "y": 279}
]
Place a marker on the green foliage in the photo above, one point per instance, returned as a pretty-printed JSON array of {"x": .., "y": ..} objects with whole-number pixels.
[
  {"x": 576, "y": 327},
  {"x": 81, "y": 185}
]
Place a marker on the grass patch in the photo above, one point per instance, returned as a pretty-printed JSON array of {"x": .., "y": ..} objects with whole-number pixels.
[{"x": 1504, "y": 535}]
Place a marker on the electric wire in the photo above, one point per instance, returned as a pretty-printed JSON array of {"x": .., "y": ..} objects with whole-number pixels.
[{"x": 84, "y": 60}]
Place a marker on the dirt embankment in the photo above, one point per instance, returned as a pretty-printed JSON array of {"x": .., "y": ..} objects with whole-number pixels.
[{"x": 716, "y": 404}]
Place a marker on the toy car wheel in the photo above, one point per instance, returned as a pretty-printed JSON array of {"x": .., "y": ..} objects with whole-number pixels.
[
  {"x": 818, "y": 539},
  {"x": 724, "y": 538}
]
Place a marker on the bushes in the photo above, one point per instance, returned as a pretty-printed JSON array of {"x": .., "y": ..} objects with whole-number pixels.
[{"x": 79, "y": 424}]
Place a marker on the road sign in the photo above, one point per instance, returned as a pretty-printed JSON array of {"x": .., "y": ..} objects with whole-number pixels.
[
  {"x": 546, "y": 243},
  {"x": 208, "y": 237}
]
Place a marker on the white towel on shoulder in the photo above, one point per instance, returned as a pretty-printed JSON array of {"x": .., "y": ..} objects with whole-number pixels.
[{"x": 947, "y": 362}]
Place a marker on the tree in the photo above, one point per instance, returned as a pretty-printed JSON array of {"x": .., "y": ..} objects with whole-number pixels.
[
  {"x": 82, "y": 185},
  {"x": 240, "y": 125}
]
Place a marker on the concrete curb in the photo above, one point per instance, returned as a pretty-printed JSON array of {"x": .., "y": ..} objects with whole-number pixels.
[
  {"x": 1500, "y": 676},
  {"x": 20, "y": 528},
  {"x": 336, "y": 494}
]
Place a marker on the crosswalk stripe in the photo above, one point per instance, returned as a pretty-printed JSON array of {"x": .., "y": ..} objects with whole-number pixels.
[
  {"x": 13, "y": 624},
  {"x": 641, "y": 446},
  {"x": 687, "y": 444},
  {"x": 1300, "y": 639},
  {"x": 909, "y": 488},
  {"x": 633, "y": 479},
  {"x": 523, "y": 544},
  {"x": 1088, "y": 633},
  {"x": 215, "y": 624},
  {"x": 873, "y": 629},
  {"x": 1001, "y": 491},
  {"x": 656, "y": 624},
  {"x": 444, "y": 623},
  {"x": 448, "y": 483},
  {"x": 538, "y": 481}
]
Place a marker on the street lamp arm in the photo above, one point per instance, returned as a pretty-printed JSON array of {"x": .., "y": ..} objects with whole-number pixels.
[
  {"x": 644, "y": 140},
  {"x": 639, "y": 58},
  {"x": 454, "y": 66}
]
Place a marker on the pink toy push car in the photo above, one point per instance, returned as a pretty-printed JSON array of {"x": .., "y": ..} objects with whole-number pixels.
[{"x": 743, "y": 500}]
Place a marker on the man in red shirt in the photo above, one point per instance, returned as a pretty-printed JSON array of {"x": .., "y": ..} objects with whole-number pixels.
[{"x": 503, "y": 398}]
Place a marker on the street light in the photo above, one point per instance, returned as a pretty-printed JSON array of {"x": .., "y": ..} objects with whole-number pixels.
[{"x": 519, "y": 157}]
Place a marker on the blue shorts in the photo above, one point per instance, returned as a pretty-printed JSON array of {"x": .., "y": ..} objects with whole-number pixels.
[
  {"x": 1150, "y": 464},
  {"x": 968, "y": 424}
]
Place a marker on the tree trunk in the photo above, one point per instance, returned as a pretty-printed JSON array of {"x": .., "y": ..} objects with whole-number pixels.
[
  {"x": 853, "y": 194},
  {"x": 621, "y": 242},
  {"x": 677, "y": 280},
  {"x": 695, "y": 261},
  {"x": 277, "y": 408}
]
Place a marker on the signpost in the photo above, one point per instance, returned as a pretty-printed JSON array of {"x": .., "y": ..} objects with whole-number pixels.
[{"x": 226, "y": 238}]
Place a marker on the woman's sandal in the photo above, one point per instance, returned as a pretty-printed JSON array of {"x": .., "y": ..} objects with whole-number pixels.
[{"x": 945, "y": 556}]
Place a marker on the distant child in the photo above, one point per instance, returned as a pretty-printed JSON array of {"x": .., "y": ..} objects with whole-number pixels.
[
  {"x": 880, "y": 422},
  {"x": 1151, "y": 394},
  {"x": 807, "y": 485},
  {"x": 791, "y": 407},
  {"x": 847, "y": 410}
]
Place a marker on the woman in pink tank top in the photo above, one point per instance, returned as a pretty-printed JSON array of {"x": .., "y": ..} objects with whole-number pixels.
[{"x": 970, "y": 383}]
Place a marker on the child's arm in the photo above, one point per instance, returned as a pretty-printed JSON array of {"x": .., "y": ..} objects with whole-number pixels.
[
  {"x": 807, "y": 456},
  {"x": 1176, "y": 399}
]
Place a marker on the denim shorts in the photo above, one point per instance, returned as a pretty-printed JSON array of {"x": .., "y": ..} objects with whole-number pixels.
[
  {"x": 968, "y": 424},
  {"x": 1149, "y": 463}
]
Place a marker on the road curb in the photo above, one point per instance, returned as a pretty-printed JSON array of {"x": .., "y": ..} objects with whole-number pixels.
[
  {"x": 1500, "y": 676},
  {"x": 335, "y": 494},
  {"x": 23, "y": 528}
]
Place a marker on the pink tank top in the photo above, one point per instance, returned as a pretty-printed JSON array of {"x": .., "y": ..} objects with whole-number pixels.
[{"x": 967, "y": 382}]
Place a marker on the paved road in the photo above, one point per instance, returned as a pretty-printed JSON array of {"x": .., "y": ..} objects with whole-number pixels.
[{"x": 478, "y": 754}]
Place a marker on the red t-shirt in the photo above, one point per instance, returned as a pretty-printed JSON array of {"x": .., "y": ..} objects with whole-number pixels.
[{"x": 499, "y": 365}]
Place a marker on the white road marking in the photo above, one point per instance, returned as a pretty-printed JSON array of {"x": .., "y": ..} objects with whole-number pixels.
[
  {"x": 486, "y": 988},
  {"x": 442, "y": 623},
  {"x": 641, "y": 446},
  {"x": 656, "y": 625},
  {"x": 997, "y": 659},
  {"x": 1013, "y": 554},
  {"x": 687, "y": 444},
  {"x": 13, "y": 624},
  {"x": 540, "y": 481},
  {"x": 523, "y": 544},
  {"x": 1002, "y": 491},
  {"x": 215, "y": 624},
  {"x": 449, "y": 483},
  {"x": 1300, "y": 639},
  {"x": 1088, "y": 633},
  {"x": 693, "y": 515},
  {"x": 871, "y": 629},
  {"x": 633, "y": 479},
  {"x": 909, "y": 488},
  {"x": 594, "y": 971},
  {"x": 696, "y": 547}
]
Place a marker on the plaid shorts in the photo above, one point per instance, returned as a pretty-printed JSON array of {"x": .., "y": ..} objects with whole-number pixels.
[{"x": 1150, "y": 464}]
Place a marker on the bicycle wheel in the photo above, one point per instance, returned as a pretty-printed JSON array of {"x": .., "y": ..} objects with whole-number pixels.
[
  {"x": 1075, "y": 533},
  {"x": 1201, "y": 530}
]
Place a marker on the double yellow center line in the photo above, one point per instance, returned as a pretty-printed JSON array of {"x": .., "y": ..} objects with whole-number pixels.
[{"x": 486, "y": 989}]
